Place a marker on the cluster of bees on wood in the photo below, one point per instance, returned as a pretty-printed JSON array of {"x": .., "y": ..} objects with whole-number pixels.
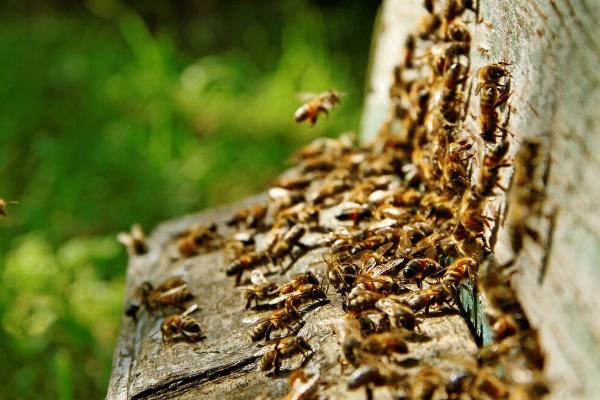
[{"x": 405, "y": 221}]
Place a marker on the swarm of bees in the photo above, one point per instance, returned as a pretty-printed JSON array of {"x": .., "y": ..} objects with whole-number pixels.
[{"x": 404, "y": 221}]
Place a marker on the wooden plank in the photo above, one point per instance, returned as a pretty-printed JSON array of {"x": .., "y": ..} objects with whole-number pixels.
[{"x": 554, "y": 48}]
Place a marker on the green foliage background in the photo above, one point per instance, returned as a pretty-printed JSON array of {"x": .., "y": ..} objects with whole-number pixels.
[{"x": 119, "y": 112}]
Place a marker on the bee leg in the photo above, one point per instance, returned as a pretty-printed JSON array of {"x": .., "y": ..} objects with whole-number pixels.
[
  {"x": 268, "y": 332},
  {"x": 277, "y": 364},
  {"x": 369, "y": 392},
  {"x": 548, "y": 245},
  {"x": 238, "y": 278}
]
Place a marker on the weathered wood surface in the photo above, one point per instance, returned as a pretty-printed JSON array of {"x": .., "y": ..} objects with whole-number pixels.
[
  {"x": 224, "y": 365},
  {"x": 554, "y": 48}
]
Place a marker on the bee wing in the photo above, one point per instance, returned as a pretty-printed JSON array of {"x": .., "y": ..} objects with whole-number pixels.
[
  {"x": 257, "y": 319},
  {"x": 384, "y": 249},
  {"x": 190, "y": 310},
  {"x": 174, "y": 290},
  {"x": 124, "y": 238},
  {"x": 281, "y": 299},
  {"x": 172, "y": 282},
  {"x": 258, "y": 277},
  {"x": 137, "y": 231},
  {"x": 306, "y": 96},
  {"x": 384, "y": 269}
]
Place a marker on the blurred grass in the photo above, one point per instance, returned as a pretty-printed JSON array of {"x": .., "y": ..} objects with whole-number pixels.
[{"x": 115, "y": 112}]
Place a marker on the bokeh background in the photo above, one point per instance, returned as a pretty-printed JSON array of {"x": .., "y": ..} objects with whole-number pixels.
[{"x": 114, "y": 112}]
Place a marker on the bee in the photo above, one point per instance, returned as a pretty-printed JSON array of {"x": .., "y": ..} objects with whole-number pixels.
[
  {"x": 504, "y": 326},
  {"x": 245, "y": 262},
  {"x": 425, "y": 298},
  {"x": 3, "y": 204},
  {"x": 491, "y": 76},
  {"x": 492, "y": 97},
  {"x": 135, "y": 240},
  {"x": 399, "y": 314},
  {"x": 428, "y": 26},
  {"x": 284, "y": 348},
  {"x": 425, "y": 384},
  {"x": 374, "y": 375},
  {"x": 488, "y": 385},
  {"x": 173, "y": 292},
  {"x": 418, "y": 269},
  {"x": 295, "y": 182},
  {"x": 260, "y": 289},
  {"x": 458, "y": 32},
  {"x": 455, "y": 171},
  {"x": 386, "y": 343},
  {"x": 198, "y": 238},
  {"x": 458, "y": 270},
  {"x": 489, "y": 180},
  {"x": 181, "y": 326},
  {"x": 286, "y": 242},
  {"x": 381, "y": 284},
  {"x": 302, "y": 387},
  {"x": 279, "y": 319},
  {"x": 348, "y": 332},
  {"x": 455, "y": 74},
  {"x": 451, "y": 105},
  {"x": 360, "y": 299},
  {"x": 340, "y": 275},
  {"x": 327, "y": 190},
  {"x": 297, "y": 281},
  {"x": 302, "y": 294},
  {"x": 353, "y": 212},
  {"x": 251, "y": 216},
  {"x": 321, "y": 103},
  {"x": 409, "y": 50},
  {"x": 301, "y": 213}
]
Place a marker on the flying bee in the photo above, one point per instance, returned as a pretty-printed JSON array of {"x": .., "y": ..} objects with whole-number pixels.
[
  {"x": 181, "y": 326},
  {"x": 284, "y": 348},
  {"x": 385, "y": 343},
  {"x": 399, "y": 314},
  {"x": 3, "y": 204},
  {"x": 455, "y": 169},
  {"x": 261, "y": 289},
  {"x": 279, "y": 319},
  {"x": 295, "y": 182},
  {"x": 135, "y": 241},
  {"x": 321, "y": 103},
  {"x": 458, "y": 270},
  {"x": 418, "y": 269},
  {"x": 425, "y": 298},
  {"x": 173, "y": 292},
  {"x": 251, "y": 216},
  {"x": 197, "y": 239},
  {"x": 245, "y": 262},
  {"x": 492, "y": 75}
]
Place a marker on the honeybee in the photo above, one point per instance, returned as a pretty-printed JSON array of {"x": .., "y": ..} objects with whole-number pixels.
[
  {"x": 321, "y": 103},
  {"x": 340, "y": 274},
  {"x": 3, "y": 204},
  {"x": 425, "y": 298},
  {"x": 399, "y": 314},
  {"x": 198, "y": 238},
  {"x": 251, "y": 216},
  {"x": 380, "y": 284},
  {"x": 181, "y": 326},
  {"x": 279, "y": 319},
  {"x": 135, "y": 240},
  {"x": 297, "y": 281},
  {"x": 493, "y": 97},
  {"x": 492, "y": 75},
  {"x": 301, "y": 294},
  {"x": 284, "y": 348},
  {"x": 353, "y": 212},
  {"x": 418, "y": 269},
  {"x": 504, "y": 326},
  {"x": 455, "y": 74},
  {"x": 488, "y": 385},
  {"x": 286, "y": 242},
  {"x": 385, "y": 343},
  {"x": 360, "y": 299},
  {"x": 376, "y": 374},
  {"x": 327, "y": 190},
  {"x": 260, "y": 289},
  {"x": 244, "y": 262},
  {"x": 458, "y": 270},
  {"x": 173, "y": 292},
  {"x": 302, "y": 387},
  {"x": 348, "y": 332},
  {"x": 428, "y": 26},
  {"x": 425, "y": 384}
]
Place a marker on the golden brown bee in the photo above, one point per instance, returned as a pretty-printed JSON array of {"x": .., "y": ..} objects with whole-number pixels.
[
  {"x": 261, "y": 289},
  {"x": 360, "y": 299},
  {"x": 284, "y": 348},
  {"x": 375, "y": 374},
  {"x": 301, "y": 213},
  {"x": 279, "y": 319},
  {"x": 425, "y": 298},
  {"x": 245, "y": 262},
  {"x": 283, "y": 245},
  {"x": 353, "y": 212},
  {"x": 504, "y": 326},
  {"x": 455, "y": 169},
  {"x": 295, "y": 182},
  {"x": 451, "y": 105},
  {"x": 181, "y": 326},
  {"x": 385, "y": 343},
  {"x": 135, "y": 240},
  {"x": 492, "y": 75},
  {"x": 327, "y": 190},
  {"x": 340, "y": 274},
  {"x": 425, "y": 384},
  {"x": 250, "y": 217},
  {"x": 428, "y": 26},
  {"x": 321, "y": 103},
  {"x": 488, "y": 385},
  {"x": 302, "y": 294},
  {"x": 197, "y": 239},
  {"x": 455, "y": 74},
  {"x": 418, "y": 269},
  {"x": 348, "y": 332},
  {"x": 3, "y": 204},
  {"x": 458, "y": 271},
  {"x": 399, "y": 314},
  {"x": 173, "y": 292}
]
